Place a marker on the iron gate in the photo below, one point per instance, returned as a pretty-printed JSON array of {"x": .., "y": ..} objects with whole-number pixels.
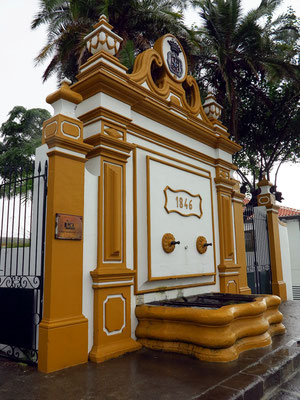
[
  {"x": 257, "y": 250},
  {"x": 22, "y": 239}
]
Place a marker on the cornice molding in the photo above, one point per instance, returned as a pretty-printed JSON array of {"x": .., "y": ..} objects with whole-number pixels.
[
  {"x": 69, "y": 144},
  {"x": 143, "y": 101}
]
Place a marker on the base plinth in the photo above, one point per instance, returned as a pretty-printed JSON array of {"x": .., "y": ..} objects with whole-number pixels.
[
  {"x": 99, "y": 354},
  {"x": 62, "y": 344}
]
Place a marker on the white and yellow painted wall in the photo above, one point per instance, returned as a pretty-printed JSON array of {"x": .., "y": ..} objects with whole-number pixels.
[{"x": 137, "y": 156}]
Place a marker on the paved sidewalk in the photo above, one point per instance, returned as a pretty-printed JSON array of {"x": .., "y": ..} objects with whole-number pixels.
[{"x": 154, "y": 375}]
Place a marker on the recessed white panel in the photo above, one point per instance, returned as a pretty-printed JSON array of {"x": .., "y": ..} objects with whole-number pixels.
[{"x": 186, "y": 212}]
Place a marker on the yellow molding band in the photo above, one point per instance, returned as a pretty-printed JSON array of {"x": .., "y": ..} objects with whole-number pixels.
[
  {"x": 143, "y": 101},
  {"x": 90, "y": 116},
  {"x": 66, "y": 155},
  {"x": 108, "y": 153},
  {"x": 117, "y": 144},
  {"x": 56, "y": 141},
  {"x": 94, "y": 58},
  {"x": 59, "y": 323},
  {"x": 65, "y": 93}
]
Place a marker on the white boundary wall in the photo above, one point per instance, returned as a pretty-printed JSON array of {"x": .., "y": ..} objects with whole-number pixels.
[{"x": 286, "y": 259}]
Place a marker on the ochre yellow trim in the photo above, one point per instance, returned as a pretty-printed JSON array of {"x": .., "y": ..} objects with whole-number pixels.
[
  {"x": 165, "y": 84},
  {"x": 66, "y": 155},
  {"x": 65, "y": 93},
  {"x": 227, "y": 223},
  {"x": 178, "y": 212},
  {"x": 109, "y": 284},
  {"x": 62, "y": 322},
  {"x": 112, "y": 280},
  {"x": 113, "y": 212},
  {"x": 113, "y": 130},
  {"x": 152, "y": 105},
  {"x": 98, "y": 64},
  {"x": 264, "y": 182},
  {"x": 218, "y": 335},
  {"x": 228, "y": 268},
  {"x": 97, "y": 114},
  {"x": 112, "y": 323},
  {"x": 68, "y": 144},
  {"x": 116, "y": 144},
  {"x": 168, "y": 144},
  {"x": 103, "y": 21},
  {"x": 166, "y": 288},
  {"x": 62, "y": 126},
  {"x": 268, "y": 200},
  {"x": 222, "y": 172},
  {"x": 111, "y": 272},
  {"x": 163, "y": 278},
  {"x": 63, "y": 332},
  {"x": 176, "y": 147},
  {"x": 111, "y": 236},
  {"x": 100, "y": 113}
]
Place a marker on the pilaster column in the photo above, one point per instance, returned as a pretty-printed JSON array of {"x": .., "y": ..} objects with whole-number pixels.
[
  {"x": 238, "y": 204},
  {"x": 112, "y": 279},
  {"x": 228, "y": 269},
  {"x": 63, "y": 331},
  {"x": 267, "y": 199}
]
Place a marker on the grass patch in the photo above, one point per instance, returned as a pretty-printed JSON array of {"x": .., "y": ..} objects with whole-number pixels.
[{"x": 12, "y": 243}]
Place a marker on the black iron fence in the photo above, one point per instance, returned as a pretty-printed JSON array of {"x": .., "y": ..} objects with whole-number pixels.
[
  {"x": 257, "y": 250},
  {"x": 22, "y": 239}
]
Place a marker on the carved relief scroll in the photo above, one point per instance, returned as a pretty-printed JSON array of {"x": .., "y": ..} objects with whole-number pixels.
[{"x": 182, "y": 202}]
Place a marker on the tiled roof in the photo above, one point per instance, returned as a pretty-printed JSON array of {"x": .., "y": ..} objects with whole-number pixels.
[
  {"x": 283, "y": 211},
  {"x": 287, "y": 212}
]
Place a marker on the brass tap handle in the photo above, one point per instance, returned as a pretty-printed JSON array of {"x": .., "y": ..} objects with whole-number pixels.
[
  {"x": 201, "y": 244},
  {"x": 168, "y": 242}
]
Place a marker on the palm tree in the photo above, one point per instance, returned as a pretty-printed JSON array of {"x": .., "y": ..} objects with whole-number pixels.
[
  {"x": 139, "y": 22},
  {"x": 236, "y": 48}
]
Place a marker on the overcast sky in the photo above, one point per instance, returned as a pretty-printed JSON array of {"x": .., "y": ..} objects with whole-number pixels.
[{"x": 21, "y": 82}]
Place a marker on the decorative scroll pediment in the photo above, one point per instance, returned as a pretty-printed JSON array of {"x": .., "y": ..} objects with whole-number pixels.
[{"x": 163, "y": 70}]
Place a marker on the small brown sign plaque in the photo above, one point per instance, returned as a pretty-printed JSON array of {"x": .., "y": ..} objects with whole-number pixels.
[{"x": 68, "y": 227}]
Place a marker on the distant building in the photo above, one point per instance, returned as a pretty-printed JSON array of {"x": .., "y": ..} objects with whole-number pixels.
[{"x": 291, "y": 217}]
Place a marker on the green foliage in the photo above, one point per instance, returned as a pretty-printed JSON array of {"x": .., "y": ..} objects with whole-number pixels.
[
  {"x": 20, "y": 134},
  {"x": 127, "y": 55},
  {"x": 269, "y": 129},
  {"x": 11, "y": 243},
  {"x": 235, "y": 49},
  {"x": 252, "y": 61},
  {"x": 68, "y": 22}
]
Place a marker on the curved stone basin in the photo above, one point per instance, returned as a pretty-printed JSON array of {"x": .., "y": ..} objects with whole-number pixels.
[{"x": 216, "y": 333}]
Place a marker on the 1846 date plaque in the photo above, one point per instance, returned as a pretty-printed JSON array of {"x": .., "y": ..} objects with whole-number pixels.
[{"x": 68, "y": 227}]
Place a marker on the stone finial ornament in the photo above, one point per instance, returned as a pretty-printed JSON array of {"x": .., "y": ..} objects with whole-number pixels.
[
  {"x": 211, "y": 108},
  {"x": 64, "y": 99},
  {"x": 265, "y": 197},
  {"x": 102, "y": 38},
  {"x": 264, "y": 182}
]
